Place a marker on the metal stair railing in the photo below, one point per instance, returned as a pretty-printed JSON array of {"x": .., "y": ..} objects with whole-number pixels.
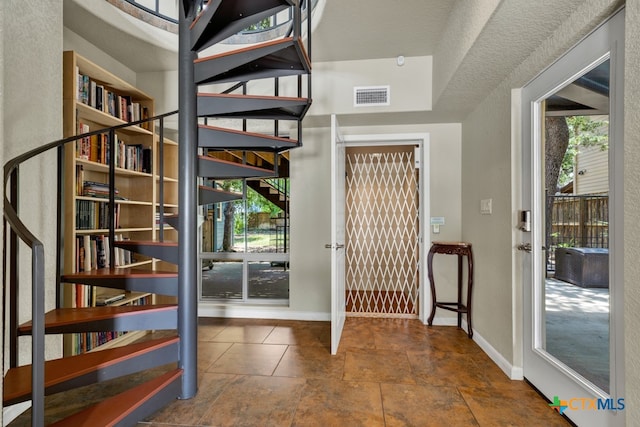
[{"x": 14, "y": 229}]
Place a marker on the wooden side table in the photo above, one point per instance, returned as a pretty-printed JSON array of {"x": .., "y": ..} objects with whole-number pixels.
[{"x": 460, "y": 249}]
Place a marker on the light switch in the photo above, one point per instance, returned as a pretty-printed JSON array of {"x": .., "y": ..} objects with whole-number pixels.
[{"x": 485, "y": 206}]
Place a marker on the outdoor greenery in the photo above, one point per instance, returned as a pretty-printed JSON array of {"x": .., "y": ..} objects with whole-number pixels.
[
  {"x": 265, "y": 24},
  {"x": 584, "y": 131}
]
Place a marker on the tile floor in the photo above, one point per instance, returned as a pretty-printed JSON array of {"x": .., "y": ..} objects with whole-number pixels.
[{"x": 389, "y": 372}]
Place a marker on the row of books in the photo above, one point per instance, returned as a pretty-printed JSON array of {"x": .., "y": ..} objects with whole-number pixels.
[
  {"x": 92, "y": 215},
  {"x": 95, "y": 148},
  {"x": 99, "y": 190},
  {"x": 101, "y": 97},
  {"x": 93, "y": 251},
  {"x": 83, "y": 342}
]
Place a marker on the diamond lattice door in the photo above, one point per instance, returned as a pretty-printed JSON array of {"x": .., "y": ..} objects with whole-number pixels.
[{"x": 382, "y": 231}]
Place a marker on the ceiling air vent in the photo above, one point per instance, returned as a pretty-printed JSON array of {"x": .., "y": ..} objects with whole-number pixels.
[{"x": 371, "y": 96}]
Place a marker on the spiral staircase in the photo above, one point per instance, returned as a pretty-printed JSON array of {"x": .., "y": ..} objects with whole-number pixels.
[{"x": 201, "y": 154}]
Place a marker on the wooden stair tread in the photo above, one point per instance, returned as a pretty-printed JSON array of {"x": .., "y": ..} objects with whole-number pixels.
[
  {"x": 136, "y": 243},
  {"x": 240, "y": 96},
  {"x": 275, "y": 58},
  {"x": 70, "y": 316},
  {"x": 244, "y": 50},
  {"x": 166, "y": 251},
  {"x": 212, "y": 167},
  {"x": 112, "y": 411},
  {"x": 17, "y": 382},
  {"x": 225, "y": 139},
  {"x": 119, "y": 273},
  {"x": 255, "y": 134},
  {"x": 266, "y": 107}
]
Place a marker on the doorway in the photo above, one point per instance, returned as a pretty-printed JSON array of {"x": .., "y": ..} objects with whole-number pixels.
[
  {"x": 382, "y": 231},
  {"x": 571, "y": 183}
]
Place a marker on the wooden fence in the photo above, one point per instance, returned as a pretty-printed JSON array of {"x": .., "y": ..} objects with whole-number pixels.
[{"x": 577, "y": 222}]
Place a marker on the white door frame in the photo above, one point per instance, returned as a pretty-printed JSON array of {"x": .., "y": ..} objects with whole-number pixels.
[
  {"x": 552, "y": 379},
  {"x": 422, "y": 140}
]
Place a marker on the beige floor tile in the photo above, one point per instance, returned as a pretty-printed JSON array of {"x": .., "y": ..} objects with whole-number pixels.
[
  {"x": 249, "y": 359},
  {"x": 243, "y": 334},
  {"x": 303, "y": 335},
  {"x": 209, "y": 352},
  {"x": 503, "y": 407},
  {"x": 256, "y": 401},
  {"x": 335, "y": 403},
  {"x": 190, "y": 411},
  {"x": 310, "y": 362},
  {"x": 378, "y": 366},
  {"x": 446, "y": 369},
  {"x": 422, "y": 405}
]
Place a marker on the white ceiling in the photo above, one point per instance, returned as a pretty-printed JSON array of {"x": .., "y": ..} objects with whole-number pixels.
[{"x": 475, "y": 43}]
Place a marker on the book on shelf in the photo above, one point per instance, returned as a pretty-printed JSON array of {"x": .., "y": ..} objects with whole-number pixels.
[
  {"x": 92, "y": 252},
  {"x": 96, "y": 148},
  {"x": 91, "y": 215},
  {"x": 106, "y": 296},
  {"x": 102, "y": 98}
]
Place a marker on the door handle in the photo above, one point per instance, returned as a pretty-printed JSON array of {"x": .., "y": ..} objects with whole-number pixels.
[
  {"x": 526, "y": 247},
  {"x": 336, "y": 246}
]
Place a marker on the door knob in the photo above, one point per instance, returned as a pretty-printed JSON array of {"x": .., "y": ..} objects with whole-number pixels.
[
  {"x": 526, "y": 247},
  {"x": 336, "y": 246}
]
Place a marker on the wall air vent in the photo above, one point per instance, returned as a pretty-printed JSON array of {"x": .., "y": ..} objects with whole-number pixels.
[{"x": 371, "y": 96}]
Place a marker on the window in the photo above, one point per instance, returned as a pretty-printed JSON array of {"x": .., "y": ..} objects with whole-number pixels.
[{"x": 245, "y": 243}]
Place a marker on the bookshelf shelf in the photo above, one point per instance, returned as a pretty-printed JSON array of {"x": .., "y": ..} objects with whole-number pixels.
[
  {"x": 95, "y": 99},
  {"x": 90, "y": 166},
  {"x": 91, "y": 114},
  {"x": 118, "y": 230},
  {"x": 120, "y": 202}
]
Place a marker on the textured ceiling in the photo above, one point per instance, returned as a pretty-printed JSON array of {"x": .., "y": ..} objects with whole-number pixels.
[{"x": 475, "y": 44}]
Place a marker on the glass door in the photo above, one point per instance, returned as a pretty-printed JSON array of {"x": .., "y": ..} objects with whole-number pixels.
[{"x": 572, "y": 123}]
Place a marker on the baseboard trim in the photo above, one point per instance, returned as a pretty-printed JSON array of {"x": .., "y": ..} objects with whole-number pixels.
[
  {"x": 261, "y": 312},
  {"x": 513, "y": 372}
]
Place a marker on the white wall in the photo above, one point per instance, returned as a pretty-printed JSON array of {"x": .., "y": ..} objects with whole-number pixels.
[
  {"x": 31, "y": 114},
  {"x": 333, "y": 83},
  {"x": 72, "y": 41}
]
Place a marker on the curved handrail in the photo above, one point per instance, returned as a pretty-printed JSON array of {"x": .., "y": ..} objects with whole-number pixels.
[{"x": 19, "y": 229}]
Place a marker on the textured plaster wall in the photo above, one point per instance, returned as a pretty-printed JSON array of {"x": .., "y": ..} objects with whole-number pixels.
[
  {"x": 31, "y": 116},
  {"x": 632, "y": 213},
  {"x": 486, "y": 173},
  {"x": 72, "y": 41},
  {"x": 465, "y": 24}
]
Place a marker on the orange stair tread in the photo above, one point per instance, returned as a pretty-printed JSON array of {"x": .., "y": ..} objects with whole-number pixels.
[
  {"x": 111, "y": 411},
  {"x": 69, "y": 316},
  {"x": 120, "y": 273},
  {"x": 17, "y": 382}
]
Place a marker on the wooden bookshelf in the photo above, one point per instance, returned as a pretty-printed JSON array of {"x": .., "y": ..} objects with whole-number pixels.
[{"x": 86, "y": 109}]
